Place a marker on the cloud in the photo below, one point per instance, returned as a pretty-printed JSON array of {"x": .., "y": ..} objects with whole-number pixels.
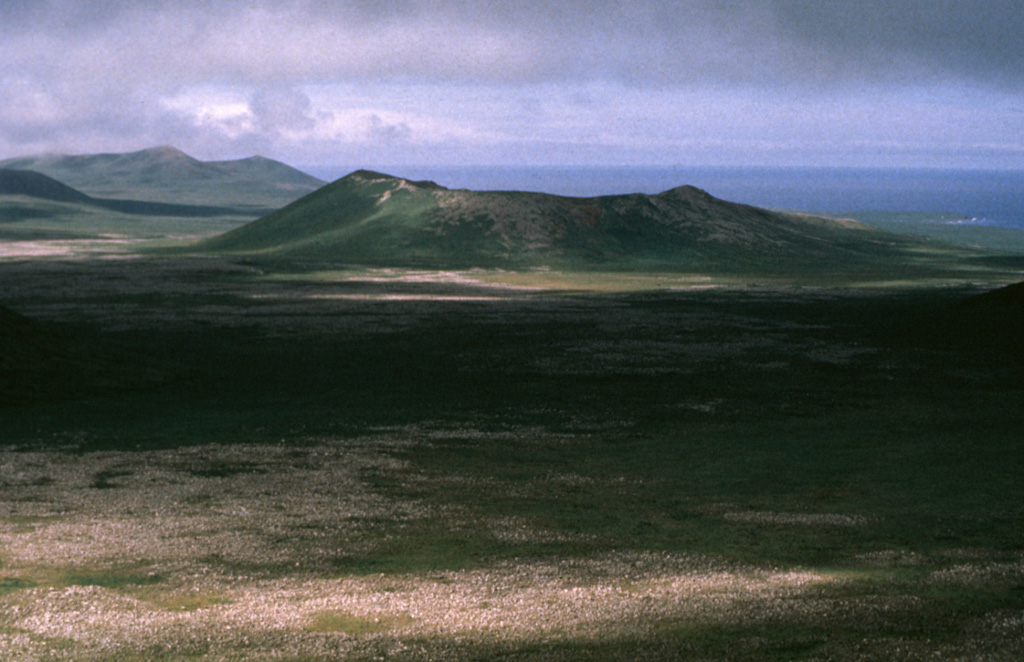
[
  {"x": 387, "y": 132},
  {"x": 281, "y": 110},
  {"x": 904, "y": 38},
  {"x": 257, "y": 74}
]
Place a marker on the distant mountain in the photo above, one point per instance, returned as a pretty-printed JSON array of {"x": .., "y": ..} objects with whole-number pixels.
[
  {"x": 165, "y": 174},
  {"x": 260, "y": 168},
  {"x": 37, "y": 185},
  {"x": 373, "y": 218}
]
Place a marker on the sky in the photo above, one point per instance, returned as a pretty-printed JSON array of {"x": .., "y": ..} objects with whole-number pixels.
[{"x": 907, "y": 83}]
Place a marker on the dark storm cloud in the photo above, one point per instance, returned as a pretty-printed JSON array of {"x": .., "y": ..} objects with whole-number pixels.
[
  {"x": 979, "y": 39},
  {"x": 731, "y": 42}
]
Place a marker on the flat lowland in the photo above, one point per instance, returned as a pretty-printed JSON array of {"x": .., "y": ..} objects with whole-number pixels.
[{"x": 263, "y": 463}]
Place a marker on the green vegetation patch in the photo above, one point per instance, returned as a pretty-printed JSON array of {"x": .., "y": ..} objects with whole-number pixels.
[
  {"x": 345, "y": 623},
  {"x": 11, "y": 584},
  {"x": 35, "y": 577}
]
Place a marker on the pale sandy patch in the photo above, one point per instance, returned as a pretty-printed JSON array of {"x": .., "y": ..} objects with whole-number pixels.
[{"x": 63, "y": 247}]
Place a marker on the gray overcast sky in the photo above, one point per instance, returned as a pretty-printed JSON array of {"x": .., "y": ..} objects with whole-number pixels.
[{"x": 774, "y": 82}]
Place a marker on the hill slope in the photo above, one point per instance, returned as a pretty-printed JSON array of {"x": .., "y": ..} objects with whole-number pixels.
[
  {"x": 994, "y": 319},
  {"x": 36, "y": 185},
  {"x": 372, "y": 218},
  {"x": 165, "y": 174}
]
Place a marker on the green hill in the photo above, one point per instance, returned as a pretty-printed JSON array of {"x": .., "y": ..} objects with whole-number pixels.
[
  {"x": 376, "y": 219},
  {"x": 167, "y": 175}
]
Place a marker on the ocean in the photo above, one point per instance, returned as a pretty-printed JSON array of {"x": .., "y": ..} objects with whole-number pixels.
[{"x": 983, "y": 197}]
